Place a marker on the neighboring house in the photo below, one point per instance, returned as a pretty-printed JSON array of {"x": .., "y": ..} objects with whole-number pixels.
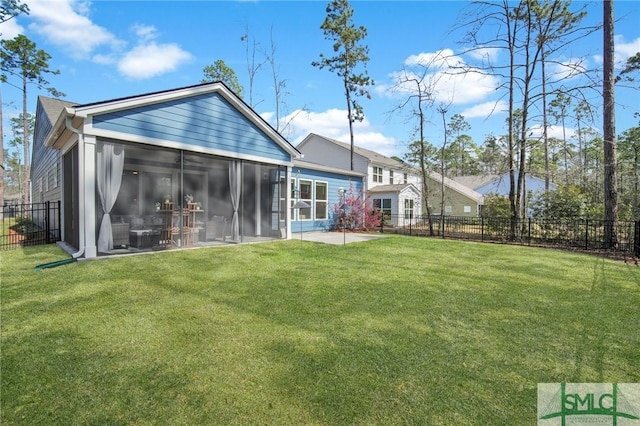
[
  {"x": 395, "y": 186},
  {"x": 399, "y": 204},
  {"x": 399, "y": 182},
  {"x": 500, "y": 184},
  {"x": 459, "y": 200},
  {"x": 182, "y": 167}
]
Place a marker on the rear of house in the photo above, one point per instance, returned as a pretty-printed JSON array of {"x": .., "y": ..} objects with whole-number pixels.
[{"x": 184, "y": 167}]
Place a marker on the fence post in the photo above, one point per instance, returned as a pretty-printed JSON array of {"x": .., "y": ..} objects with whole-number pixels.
[
  {"x": 47, "y": 226},
  {"x": 481, "y": 228},
  {"x": 586, "y": 234},
  {"x": 59, "y": 221},
  {"x": 529, "y": 230}
]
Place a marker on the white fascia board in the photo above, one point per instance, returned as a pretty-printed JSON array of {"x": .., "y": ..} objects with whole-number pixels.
[{"x": 323, "y": 168}]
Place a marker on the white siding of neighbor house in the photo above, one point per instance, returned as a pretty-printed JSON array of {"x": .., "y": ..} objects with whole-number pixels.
[
  {"x": 397, "y": 204},
  {"x": 398, "y": 176},
  {"x": 317, "y": 150}
]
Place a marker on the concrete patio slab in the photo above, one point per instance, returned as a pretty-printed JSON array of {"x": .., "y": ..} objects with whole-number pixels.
[{"x": 337, "y": 238}]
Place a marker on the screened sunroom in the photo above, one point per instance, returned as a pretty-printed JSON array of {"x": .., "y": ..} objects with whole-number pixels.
[
  {"x": 187, "y": 167},
  {"x": 157, "y": 199}
]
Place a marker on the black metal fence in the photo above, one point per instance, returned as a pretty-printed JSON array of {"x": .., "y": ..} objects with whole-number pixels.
[
  {"x": 589, "y": 235},
  {"x": 30, "y": 224}
]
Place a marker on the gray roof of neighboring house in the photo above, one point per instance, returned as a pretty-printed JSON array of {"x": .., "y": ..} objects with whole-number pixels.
[
  {"x": 457, "y": 186},
  {"x": 52, "y": 107},
  {"x": 499, "y": 183},
  {"x": 475, "y": 181},
  {"x": 390, "y": 188}
]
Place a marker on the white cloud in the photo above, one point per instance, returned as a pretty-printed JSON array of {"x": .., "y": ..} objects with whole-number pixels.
[
  {"x": 623, "y": 51},
  {"x": 10, "y": 29},
  {"x": 149, "y": 60},
  {"x": 485, "y": 109},
  {"x": 552, "y": 132},
  {"x": 443, "y": 75},
  {"x": 66, "y": 24},
  {"x": 563, "y": 70},
  {"x": 484, "y": 54},
  {"x": 333, "y": 124},
  {"x": 145, "y": 32},
  {"x": 439, "y": 60}
]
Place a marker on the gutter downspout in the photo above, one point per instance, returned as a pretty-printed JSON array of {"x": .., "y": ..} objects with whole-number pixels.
[{"x": 69, "y": 126}]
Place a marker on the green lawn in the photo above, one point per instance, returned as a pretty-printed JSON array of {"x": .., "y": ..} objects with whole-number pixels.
[{"x": 397, "y": 330}]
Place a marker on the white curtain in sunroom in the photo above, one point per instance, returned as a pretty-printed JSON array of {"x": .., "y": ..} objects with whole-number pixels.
[
  {"x": 109, "y": 178},
  {"x": 235, "y": 186}
]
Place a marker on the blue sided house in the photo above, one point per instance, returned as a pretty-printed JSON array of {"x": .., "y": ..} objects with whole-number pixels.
[
  {"x": 315, "y": 192},
  {"x": 191, "y": 166}
]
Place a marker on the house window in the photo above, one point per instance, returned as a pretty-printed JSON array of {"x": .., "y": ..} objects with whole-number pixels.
[
  {"x": 306, "y": 196},
  {"x": 384, "y": 206},
  {"x": 447, "y": 209},
  {"x": 404, "y": 178},
  {"x": 322, "y": 198},
  {"x": 390, "y": 177},
  {"x": 467, "y": 209},
  {"x": 377, "y": 174},
  {"x": 408, "y": 209}
]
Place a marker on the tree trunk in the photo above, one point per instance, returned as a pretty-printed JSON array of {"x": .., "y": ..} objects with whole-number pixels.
[
  {"x": 545, "y": 124},
  {"x": 25, "y": 143},
  {"x": 348, "y": 95},
  {"x": 609, "y": 127}
]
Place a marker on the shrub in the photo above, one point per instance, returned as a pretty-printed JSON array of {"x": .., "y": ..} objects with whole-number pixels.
[
  {"x": 496, "y": 206},
  {"x": 565, "y": 202},
  {"x": 356, "y": 212}
]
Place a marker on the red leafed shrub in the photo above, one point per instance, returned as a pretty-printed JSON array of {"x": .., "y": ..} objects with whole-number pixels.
[{"x": 355, "y": 212}]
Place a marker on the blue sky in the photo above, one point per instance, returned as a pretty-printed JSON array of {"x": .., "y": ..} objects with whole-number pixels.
[{"x": 111, "y": 49}]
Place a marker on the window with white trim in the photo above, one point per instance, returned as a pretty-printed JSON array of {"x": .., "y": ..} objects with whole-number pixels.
[
  {"x": 405, "y": 178},
  {"x": 467, "y": 209},
  {"x": 384, "y": 206},
  {"x": 447, "y": 209},
  {"x": 408, "y": 208},
  {"x": 321, "y": 200},
  {"x": 377, "y": 174},
  {"x": 390, "y": 177},
  {"x": 306, "y": 195}
]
